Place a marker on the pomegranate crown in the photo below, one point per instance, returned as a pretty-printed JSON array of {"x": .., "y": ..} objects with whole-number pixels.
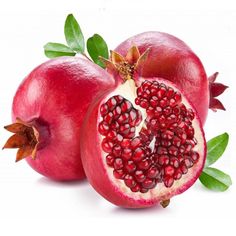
[{"x": 126, "y": 67}]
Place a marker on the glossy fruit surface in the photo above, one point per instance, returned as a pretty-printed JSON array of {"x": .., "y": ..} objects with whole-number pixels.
[{"x": 49, "y": 108}]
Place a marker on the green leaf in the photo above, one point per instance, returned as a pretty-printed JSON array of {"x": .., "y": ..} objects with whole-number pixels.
[
  {"x": 96, "y": 47},
  {"x": 215, "y": 148},
  {"x": 52, "y": 50},
  {"x": 73, "y": 34},
  {"x": 215, "y": 179}
]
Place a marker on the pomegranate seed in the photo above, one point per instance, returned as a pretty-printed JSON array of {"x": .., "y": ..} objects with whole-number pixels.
[
  {"x": 162, "y": 150},
  {"x": 152, "y": 172},
  {"x": 174, "y": 162},
  {"x": 144, "y": 164},
  {"x": 176, "y": 141},
  {"x": 116, "y": 112},
  {"x": 126, "y": 106},
  {"x": 158, "y": 111},
  {"x": 172, "y": 102},
  {"x": 163, "y": 160},
  {"x": 139, "y": 176},
  {"x": 135, "y": 142},
  {"x": 183, "y": 168},
  {"x": 111, "y": 103},
  {"x": 132, "y": 115},
  {"x": 180, "y": 157},
  {"x": 107, "y": 145},
  {"x": 154, "y": 90},
  {"x": 138, "y": 155},
  {"x": 131, "y": 133},
  {"x": 130, "y": 167},
  {"x": 144, "y": 103},
  {"x": 110, "y": 160},
  {"x": 119, "y": 138},
  {"x": 194, "y": 156},
  {"x": 108, "y": 118},
  {"x": 129, "y": 181},
  {"x": 177, "y": 97},
  {"x": 119, "y": 174},
  {"x": 127, "y": 153},
  {"x": 169, "y": 170},
  {"x": 149, "y": 183},
  {"x": 168, "y": 181},
  {"x": 125, "y": 143},
  {"x": 161, "y": 92},
  {"x": 104, "y": 109},
  {"x": 190, "y": 132},
  {"x": 119, "y": 99},
  {"x": 146, "y": 94},
  {"x": 146, "y": 84},
  {"x": 123, "y": 118},
  {"x": 173, "y": 150},
  {"x": 165, "y": 143},
  {"x": 139, "y": 91},
  {"x": 188, "y": 162},
  {"x": 190, "y": 114},
  {"x": 116, "y": 151},
  {"x": 176, "y": 110},
  {"x": 169, "y": 92},
  {"x": 136, "y": 188},
  {"x": 167, "y": 111},
  {"x": 154, "y": 101},
  {"x": 124, "y": 129},
  {"x": 111, "y": 135},
  {"x": 164, "y": 102},
  {"x": 118, "y": 164},
  {"x": 167, "y": 135},
  {"x": 178, "y": 174},
  {"x": 137, "y": 101},
  {"x": 103, "y": 128},
  {"x": 114, "y": 125},
  {"x": 150, "y": 111}
]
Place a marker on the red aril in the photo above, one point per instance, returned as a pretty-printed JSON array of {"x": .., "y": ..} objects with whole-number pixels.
[
  {"x": 48, "y": 110},
  {"x": 149, "y": 151},
  {"x": 171, "y": 59}
]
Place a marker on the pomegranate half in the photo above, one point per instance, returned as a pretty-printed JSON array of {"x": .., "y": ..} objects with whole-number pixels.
[
  {"x": 170, "y": 58},
  {"x": 143, "y": 141},
  {"x": 48, "y": 110}
]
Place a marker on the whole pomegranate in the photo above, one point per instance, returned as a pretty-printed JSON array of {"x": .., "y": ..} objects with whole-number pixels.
[
  {"x": 171, "y": 59},
  {"x": 143, "y": 141},
  {"x": 48, "y": 110}
]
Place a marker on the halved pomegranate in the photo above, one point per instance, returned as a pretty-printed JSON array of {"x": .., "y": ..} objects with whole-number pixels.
[{"x": 142, "y": 142}]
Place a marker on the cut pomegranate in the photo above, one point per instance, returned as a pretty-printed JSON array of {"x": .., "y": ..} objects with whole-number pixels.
[
  {"x": 161, "y": 151},
  {"x": 171, "y": 59}
]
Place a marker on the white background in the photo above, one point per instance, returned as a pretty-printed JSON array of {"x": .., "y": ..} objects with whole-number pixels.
[{"x": 33, "y": 205}]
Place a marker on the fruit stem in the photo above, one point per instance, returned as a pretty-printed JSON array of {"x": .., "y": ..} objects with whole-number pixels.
[{"x": 28, "y": 137}]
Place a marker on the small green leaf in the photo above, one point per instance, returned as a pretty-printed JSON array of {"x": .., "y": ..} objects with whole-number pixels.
[
  {"x": 215, "y": 148},
  {"x": 215, "y": 179},
  {"x": 96, "y": 47},
  {"x": 73, "y": 34},
  {"x": 52, "y": 50}
]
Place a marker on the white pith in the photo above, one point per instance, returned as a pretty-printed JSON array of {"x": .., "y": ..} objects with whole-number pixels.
[{"x": 128, "y": 91}]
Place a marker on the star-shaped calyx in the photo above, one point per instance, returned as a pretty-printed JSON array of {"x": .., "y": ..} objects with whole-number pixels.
[
  {"x": 125, "y": 67},
  {"x": 25, "y": 137}
]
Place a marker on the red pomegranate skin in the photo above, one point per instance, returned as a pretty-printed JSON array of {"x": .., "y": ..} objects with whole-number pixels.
[
  {"x": 57, "y": 94},
  {"x": 171, "y": 59}
]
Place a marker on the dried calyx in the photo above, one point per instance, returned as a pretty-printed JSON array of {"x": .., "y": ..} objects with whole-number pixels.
[{"x": 26, "y": 138}]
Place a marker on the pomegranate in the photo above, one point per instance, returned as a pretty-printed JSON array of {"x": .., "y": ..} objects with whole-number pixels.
[
  {"x": 48, "y": 110},
  {"x": 143, "y": 141},
  {"x": 171, "y": 59}
]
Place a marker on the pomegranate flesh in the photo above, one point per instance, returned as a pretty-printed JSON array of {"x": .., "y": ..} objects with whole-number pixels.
[
  {"x": 143, "y": 141},
  {"x": 48, "y": 110},
  {"x": 171, "y": 59}
]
